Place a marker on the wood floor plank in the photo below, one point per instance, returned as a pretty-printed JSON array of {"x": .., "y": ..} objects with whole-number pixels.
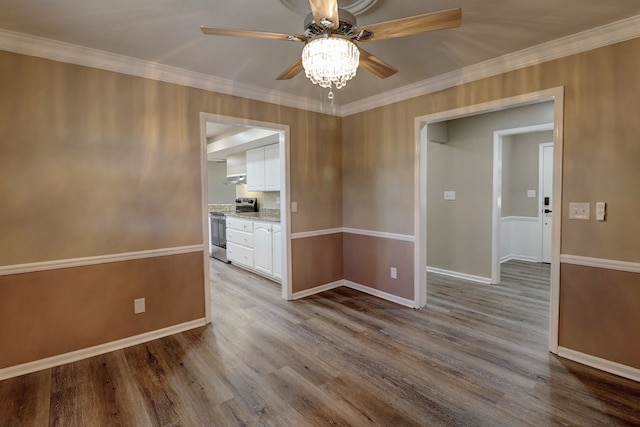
[{"x": 477, "y": 355}]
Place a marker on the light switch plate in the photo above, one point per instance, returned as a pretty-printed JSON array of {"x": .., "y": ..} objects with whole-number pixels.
[
  {"x": 294, "y": 207},
  {"x": 579, "y": 211},
  {"x": 531, "y": 193},
  {"x": 449, "y": 195},
  {"x": 601, "y": 211}
]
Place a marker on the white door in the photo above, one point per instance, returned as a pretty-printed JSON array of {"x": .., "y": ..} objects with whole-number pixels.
[{"x": 546, "y": 199}]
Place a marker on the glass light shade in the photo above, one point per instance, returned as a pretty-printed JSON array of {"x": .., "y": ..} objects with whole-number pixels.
[{"x": 330, "y": 61}]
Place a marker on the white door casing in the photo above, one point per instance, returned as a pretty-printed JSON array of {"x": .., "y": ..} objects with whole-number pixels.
[{"x": 420, "y": 192}]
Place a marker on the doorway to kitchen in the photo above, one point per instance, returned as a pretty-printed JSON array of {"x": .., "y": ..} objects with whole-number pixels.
[
  {"x": 235, "y": 137},
  {"x": 430, "y": 126}
]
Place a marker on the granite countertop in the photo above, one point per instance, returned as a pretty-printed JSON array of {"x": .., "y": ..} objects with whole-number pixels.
[{"x": 258, "y": 216}]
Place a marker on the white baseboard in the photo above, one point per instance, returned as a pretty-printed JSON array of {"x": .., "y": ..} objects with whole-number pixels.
[
  {"x": 317, "y": 290},
  {"x": 518, "y": 258},
  {"x": 62, "y": 359},
  {"x": 380, "y": 294},
  {"x": 358, "y": 287},
  {"x": 602, "y": 364},
  {"x": 458, "y": 275}
]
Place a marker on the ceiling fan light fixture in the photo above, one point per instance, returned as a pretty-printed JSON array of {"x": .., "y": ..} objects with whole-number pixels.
[{"x": 330, "y": 61}]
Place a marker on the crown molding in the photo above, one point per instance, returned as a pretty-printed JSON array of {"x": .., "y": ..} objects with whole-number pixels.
[
  {"x": 605, "y": 35},
  {"x": 73, "y": 54}
]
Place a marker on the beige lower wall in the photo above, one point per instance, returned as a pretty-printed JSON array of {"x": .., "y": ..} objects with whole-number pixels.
[
  {"x": 47, "y": 313},
  {"x": 316, "y": 261},
  {"x": 599, "y": 313},
  {"x": 368, "y": 261}
]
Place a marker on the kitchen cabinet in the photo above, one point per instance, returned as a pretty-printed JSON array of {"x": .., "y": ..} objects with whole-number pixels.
[
  {"x": 240, "y": 242},
  {"x": 277, "y": 251},
  {"x": 263, "y": 248},
  {"x": 272, "y": 167},
  {"x": 255, "y": 169},
  {"x": 263, "y": 168}
]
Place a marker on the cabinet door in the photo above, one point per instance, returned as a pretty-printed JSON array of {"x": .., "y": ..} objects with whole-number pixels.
[
  {"x": 255, "y": 169},
  {"x": 272, "y": 167},
  {"x": 277, "y": 251},
  {"x": 262, "y": 248}
]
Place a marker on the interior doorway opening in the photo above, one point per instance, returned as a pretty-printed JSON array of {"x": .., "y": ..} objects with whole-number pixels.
[
  {"x": 241, "y": 135},
  {"x": 425, "y": 125}
]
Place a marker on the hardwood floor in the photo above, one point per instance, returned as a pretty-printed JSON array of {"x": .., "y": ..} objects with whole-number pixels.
[{"x": 476, "y": 356}]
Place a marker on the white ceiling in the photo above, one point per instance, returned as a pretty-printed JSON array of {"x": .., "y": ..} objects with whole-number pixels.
[{"x": 168, "y": 32}]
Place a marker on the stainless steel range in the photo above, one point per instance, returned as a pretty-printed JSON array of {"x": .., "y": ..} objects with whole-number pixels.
[{"x": 218, "y": 226}]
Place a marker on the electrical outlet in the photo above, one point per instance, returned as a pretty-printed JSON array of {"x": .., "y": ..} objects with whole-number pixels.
[
  {"x": 138, "y": 306},
  {"x": 579, "y": 211},
  {"x": 394, "y": 273}
]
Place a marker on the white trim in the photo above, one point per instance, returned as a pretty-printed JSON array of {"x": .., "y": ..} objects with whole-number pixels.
[
  {"x": 358, "y": 287},
  {"x": 518, "y": 258},
  {"x": 459, "y": 275},
  {"x": 519, "y": 218},
  {"x": 599, "y": 363},
  {"x": 381, "y": 234},
  {"x": 317, "y": 289},
  {"x": 380, "y": 294},
  {"x": 314, "y": 233},
  {"x": 62, "y": 359},
  {"x": 371, "y": 233},
  {"x": 609, "y": 264},
  {"x": 605, "y": 35},
  {"x": 100, "y": 259},
  {"x": 541, "y": 196}
]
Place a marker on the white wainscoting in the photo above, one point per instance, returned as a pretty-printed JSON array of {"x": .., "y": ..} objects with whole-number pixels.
[{"x": 519, "y": 238}]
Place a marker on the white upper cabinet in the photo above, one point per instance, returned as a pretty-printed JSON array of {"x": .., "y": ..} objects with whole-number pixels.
[
  {"x": 255, "y": 169},
  {"x": 272, "y": 167},
  {"x": 263, "y": 168}
]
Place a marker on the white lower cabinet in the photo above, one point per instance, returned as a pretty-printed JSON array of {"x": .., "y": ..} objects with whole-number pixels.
[
  {"x": 263, "y": 248},
  {"x": 240, "y": 241},
  {"x": 255, "y": 245},
  {"x": 277, "y": 251}
]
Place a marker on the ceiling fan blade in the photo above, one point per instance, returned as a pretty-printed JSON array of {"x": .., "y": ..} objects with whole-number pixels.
[
  {"x": 213, "y": 31},
  {"x": 325, "y": 10},
  {"x": 375, "y": 65},
  {"x": 292, "y": 71},
  {"x": 414, "y": 25}
]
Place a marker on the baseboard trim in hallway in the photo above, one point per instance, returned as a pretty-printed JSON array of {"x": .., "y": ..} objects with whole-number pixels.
[
  {"x": 73, "y": 356},
  {"x": 602, "y": 364}
]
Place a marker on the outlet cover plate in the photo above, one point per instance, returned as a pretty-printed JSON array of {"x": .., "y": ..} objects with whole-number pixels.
[
  {"x": 138, "y": 306},
  {"x": 579, "y": 211}
]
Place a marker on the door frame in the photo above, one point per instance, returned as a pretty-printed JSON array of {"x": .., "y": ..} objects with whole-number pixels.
[
  {"x": 541, "y": 147},
  {"x": 285, "y": 191},
  {"x": 497, "y": 190},
  {"x": 421, "y": 123}
]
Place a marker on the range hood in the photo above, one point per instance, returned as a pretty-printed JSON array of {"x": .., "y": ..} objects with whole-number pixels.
[{"x": 240, "y": 178}]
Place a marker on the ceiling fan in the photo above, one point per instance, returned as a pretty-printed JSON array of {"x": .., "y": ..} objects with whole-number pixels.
[{"x": 335, "y": 62}]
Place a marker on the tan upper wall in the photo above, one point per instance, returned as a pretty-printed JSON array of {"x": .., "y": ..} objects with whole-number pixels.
[
  {"x": 600, "y": 148},
  {"x": 95, "y": 162}
]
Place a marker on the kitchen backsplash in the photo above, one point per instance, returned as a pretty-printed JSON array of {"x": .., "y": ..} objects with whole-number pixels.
[{"x": 222, "y": 208}]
